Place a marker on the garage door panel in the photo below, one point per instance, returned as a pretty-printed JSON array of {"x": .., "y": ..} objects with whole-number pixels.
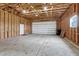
[{"x": 44, "y": 27}]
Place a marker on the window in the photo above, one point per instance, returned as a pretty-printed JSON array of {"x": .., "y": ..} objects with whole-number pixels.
[{"x": 73, "y": 21}]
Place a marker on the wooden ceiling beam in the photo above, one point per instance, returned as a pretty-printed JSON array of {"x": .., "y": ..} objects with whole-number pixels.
[{"x": 57, "y": 10}]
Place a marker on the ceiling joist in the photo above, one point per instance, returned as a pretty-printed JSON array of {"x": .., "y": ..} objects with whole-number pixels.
[{"x": 36, "y": 10}]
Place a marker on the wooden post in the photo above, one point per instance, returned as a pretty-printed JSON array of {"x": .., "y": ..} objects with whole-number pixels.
[{"x": 6, "y": 24}]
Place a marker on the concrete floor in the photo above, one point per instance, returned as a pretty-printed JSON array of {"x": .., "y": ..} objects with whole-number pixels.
[{"x": 37, "y": 45}]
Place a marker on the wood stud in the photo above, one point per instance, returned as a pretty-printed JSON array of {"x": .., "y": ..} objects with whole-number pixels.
[{"x": 10, "y": 23}]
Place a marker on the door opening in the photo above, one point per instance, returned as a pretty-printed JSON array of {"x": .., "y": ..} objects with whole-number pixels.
[{"x": 21, "y": 29}]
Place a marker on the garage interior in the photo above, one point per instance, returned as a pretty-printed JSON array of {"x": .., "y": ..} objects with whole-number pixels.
[{"x": 39, "y": 29}]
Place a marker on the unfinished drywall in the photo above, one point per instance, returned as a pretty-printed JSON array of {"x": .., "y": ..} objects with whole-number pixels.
[
  {"x": 64, "y": 23},
  {"x": 10, "y": 23}
]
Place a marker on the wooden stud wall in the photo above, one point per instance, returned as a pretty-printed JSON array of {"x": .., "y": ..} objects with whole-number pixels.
[
  {"x": 2, "y": 24},
  {"x": 29, "y": 26},
  {"x": 70, "y": 33},
  {"x": 10, "y": 25}
]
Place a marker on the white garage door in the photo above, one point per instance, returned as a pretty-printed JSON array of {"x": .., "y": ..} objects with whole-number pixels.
[{"x": 44, "y": 27}]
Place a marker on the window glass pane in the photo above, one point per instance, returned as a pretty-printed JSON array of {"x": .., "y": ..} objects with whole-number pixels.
[{"x": 73, "y": 21}]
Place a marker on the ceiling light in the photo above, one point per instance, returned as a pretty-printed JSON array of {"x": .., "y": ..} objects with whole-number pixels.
[
  {"x": 31, "y": 6},
  {"x": 17, "y": 6},
  {"x": 24, "y": 11},
  {"x": 36, "y": 15},
  {"x": 45, "y": 8}
]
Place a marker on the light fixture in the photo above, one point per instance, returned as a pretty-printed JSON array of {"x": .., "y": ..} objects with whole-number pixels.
[
  {"x": 36, "y": 15},
  {"x": 45, "y": 8},
  {"x": 17, "y": 6},
  {"x": 24, "y": 11},
  {"x": 32, "y": 7}
]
